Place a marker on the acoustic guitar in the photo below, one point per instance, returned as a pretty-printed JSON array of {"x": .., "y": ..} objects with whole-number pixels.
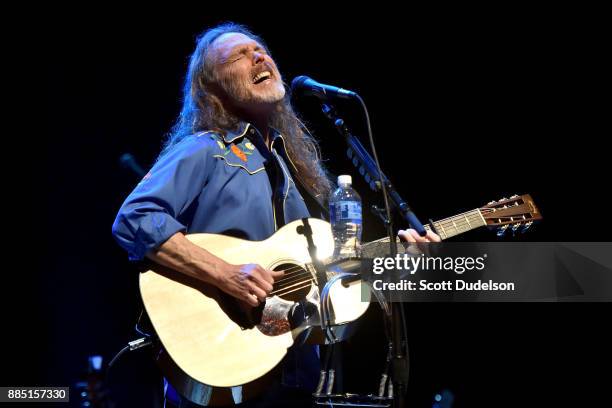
[{"x": 212, "y": 341}]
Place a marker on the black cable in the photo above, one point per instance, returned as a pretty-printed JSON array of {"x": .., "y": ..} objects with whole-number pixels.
[
  {"x": 392, "y": 245},
  {"x": 131, "y": 346},
  {"x": 119, "y": 354},
  {"x": 403, "y": 317}
]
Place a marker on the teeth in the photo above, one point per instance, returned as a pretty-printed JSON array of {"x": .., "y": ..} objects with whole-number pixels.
[{"x": 261, "y": 75}]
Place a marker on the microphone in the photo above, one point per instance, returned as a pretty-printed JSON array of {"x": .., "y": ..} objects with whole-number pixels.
[
  {"x": 128, "y": 162},
  {"x": 309, "y": 86}
]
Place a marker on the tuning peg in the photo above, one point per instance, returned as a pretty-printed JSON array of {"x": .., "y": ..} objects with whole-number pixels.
[
  {"x": 503, "y": 199},
  {"x": 526, "y": 227},
  {"x": 515, "y": 227},
  {"x": 514, "y": 196},
  {"x": 502, "y": 230},
  {"x": 492, "y": 202}
]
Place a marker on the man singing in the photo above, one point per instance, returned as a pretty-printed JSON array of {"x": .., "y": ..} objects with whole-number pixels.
[{"x": 231, "y": 165}]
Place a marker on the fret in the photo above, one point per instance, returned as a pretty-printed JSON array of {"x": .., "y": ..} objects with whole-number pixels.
[
  {"x": 468, "y": 221},
  {"x": 449, "y": 227},
  {"x": 442, "y": 230}
]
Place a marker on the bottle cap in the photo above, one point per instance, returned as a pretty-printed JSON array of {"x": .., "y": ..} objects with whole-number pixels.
[{"x": 345, "y": 180}]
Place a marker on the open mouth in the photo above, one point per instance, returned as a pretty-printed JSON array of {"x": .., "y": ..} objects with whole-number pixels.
[{"x": 262, "y": 76}]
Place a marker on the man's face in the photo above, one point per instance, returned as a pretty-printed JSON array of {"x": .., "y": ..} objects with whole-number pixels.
[{"x": 245, "y": 71}]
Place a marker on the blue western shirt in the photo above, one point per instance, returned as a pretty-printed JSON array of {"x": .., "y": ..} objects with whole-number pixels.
[{"x": 224, "y": 183}]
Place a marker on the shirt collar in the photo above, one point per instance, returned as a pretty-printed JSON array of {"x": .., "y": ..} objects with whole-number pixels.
[
  {"x": 243, "y": 128},
  {"x": 229, "y": 136}
]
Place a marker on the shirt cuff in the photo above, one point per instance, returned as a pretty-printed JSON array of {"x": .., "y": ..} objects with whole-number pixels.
[{"x": 154, "y": 230}]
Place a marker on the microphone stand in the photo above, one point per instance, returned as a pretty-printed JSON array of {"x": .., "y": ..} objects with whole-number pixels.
[
  {"x": 372, "y": 174},
  {"x": 368, "y": 169}
]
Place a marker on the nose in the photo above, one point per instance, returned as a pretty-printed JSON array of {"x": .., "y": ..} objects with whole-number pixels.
[{"x": 258, "y": 57}]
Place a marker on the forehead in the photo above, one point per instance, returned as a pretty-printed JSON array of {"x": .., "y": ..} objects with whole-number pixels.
[{"x": 228, "y": 42}]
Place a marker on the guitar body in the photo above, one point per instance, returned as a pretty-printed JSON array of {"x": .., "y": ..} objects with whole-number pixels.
[{"x": 215, "y": 340}]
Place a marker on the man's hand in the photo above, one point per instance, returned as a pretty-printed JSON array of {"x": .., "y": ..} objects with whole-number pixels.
[
  {"x": 250, "y": 283},
  {"x": 416, "y": 244},
  {"x": 412, "y": 236}
]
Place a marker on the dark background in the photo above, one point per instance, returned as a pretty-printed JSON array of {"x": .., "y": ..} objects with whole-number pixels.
[{"x": 468, "y": 106}]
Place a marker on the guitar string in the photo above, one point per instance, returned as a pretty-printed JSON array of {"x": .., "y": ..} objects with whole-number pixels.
[
  {"x": 293, "y": 272},
  {"x": 457, "y": 223},
  {"x": 461, "y": 222},
  {"x": 281, "y": 293},
  {"x": 291, "y": 281},
  {"x": 285, "y": 289},
  {"x": 296, "y": 283},
  {"x": 461, "y": 217},
  {"x": 287, "y": 282},
  {"x": 289, "y": 275}
]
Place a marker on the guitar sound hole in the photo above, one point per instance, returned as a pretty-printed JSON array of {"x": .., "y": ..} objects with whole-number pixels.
[{"x": 294, "y": 284}]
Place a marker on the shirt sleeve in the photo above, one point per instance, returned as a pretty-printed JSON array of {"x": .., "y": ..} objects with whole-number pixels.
[{"x": 150, "y": 214}]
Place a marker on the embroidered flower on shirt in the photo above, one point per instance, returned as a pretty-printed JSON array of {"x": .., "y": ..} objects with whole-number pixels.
[
  {"x": 249, "y": 146},
  {"x": 239, "y": 153}
]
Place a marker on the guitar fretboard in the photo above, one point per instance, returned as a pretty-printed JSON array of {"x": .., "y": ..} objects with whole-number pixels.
[
  {"x": 458, "y": 224},
  {"x": 446, "y": 228}
]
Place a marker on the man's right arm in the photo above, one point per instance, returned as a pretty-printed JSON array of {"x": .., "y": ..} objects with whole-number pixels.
[
  {"x": 249, "y": 282},
  {"x": 147, "y": 224}
]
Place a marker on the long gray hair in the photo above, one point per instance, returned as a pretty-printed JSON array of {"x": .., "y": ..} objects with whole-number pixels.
[{"x": 203, "y": 110}]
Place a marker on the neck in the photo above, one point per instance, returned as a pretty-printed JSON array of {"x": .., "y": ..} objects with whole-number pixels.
[
  {"x": 258, "y": 117},
  {"x": 261, "y": 122},
  {"x": 263, "y": 127}
]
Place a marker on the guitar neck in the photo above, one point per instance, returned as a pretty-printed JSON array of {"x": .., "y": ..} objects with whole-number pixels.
[
  {"x": 458, "y": 224},
  {"x": 445, "y": 228}
]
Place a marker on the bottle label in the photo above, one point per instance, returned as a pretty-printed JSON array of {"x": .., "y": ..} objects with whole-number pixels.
[{"x": 345, "y": 211}]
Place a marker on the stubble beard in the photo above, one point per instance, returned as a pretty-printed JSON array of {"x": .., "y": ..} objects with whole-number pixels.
[{"x": 243, "y": 93}]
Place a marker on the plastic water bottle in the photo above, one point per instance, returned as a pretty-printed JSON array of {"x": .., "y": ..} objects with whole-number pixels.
[{"x": 346, "y": 221}]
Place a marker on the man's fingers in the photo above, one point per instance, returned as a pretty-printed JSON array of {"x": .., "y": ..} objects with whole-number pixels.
[
  {"x": 263, "y": 274},
  {"x": 262, "y": 283},
  {"x": 277, "y": 274},
  {"x": 411, "y": 235},
  {"x": 433, "y": 237},
  {"x": 406, "y": 235},
  {"x": 259, "y": 276},
  {"x": 257, "y": 291},
  {"x": 251, "y": 300},
  {"x": 415, "y": 237}
]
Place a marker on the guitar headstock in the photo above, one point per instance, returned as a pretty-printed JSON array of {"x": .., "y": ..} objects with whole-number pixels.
[{"x": 511, "y": 213}]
